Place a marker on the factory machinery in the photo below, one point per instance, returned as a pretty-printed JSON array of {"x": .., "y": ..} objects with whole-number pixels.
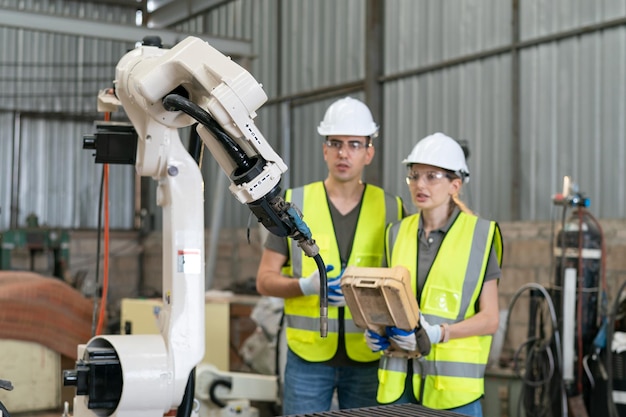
[
  {"x": 568, "y": 365},
  {"x": 162, "y": 90}
]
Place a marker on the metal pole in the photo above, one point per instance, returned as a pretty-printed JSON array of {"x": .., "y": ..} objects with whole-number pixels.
[
  {"x": 515, "y": 113},
  {"x": 374, "y": 45},
  {"x": 15, "y": 171}
]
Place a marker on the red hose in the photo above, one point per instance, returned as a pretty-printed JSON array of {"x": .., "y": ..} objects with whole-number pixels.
[
  {"x": 105, "y": 280},
  {"x": 105, "y": 267}
]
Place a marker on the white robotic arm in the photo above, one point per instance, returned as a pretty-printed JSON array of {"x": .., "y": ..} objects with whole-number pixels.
[{"x": 162, "y": 90}]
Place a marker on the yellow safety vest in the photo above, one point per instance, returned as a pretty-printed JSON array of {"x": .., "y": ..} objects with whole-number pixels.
[
  {"x": 302, "y": 314},
  {"x": 453, "y": 371}
]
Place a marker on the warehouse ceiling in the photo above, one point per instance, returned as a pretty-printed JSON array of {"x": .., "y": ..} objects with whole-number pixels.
[
  {"x": 158, "y": 17},
  {"x": 164, "y": 13}
]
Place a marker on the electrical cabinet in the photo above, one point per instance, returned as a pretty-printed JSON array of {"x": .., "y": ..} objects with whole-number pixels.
[{"x": 35, "y": 373}]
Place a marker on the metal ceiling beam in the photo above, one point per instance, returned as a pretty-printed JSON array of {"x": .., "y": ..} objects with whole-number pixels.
[
  {"x": 178, "y": 11},
  {"x": 93, "y": 29}
]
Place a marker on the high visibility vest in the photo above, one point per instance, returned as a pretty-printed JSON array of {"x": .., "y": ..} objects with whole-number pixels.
[
  {"x": 453, "y": 371},
  {"x": 302, "y": 314}
]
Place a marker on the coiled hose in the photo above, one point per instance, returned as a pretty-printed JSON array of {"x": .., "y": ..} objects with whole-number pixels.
[{"x": 542, "y": 362}]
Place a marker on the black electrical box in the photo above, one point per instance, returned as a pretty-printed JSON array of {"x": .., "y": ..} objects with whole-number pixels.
[{"x": 114, "y": 143}]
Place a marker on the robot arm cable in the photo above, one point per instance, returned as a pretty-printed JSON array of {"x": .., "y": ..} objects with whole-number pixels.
[
  {"x": 185, "y": 408},
  {"x": 175, "y": 102},
  {"x": 299, "y": 231},
  {"x": 323, "y": 295}
]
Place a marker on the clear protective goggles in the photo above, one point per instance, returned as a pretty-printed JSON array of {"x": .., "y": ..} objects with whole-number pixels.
[
  {"x": 430, "y": 177},
  {"x": 351, "y": 145}
]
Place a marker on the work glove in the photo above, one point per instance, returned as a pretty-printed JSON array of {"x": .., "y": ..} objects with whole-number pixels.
[
  {"x": 375, "y": 341},
  {"x": 415, "y": 340},
  {"x": 433, "y": 331},
  {"x": 335, "y": 293},
  {"x": 404, "y": 339},
  {"x": 311, "y": 284}
]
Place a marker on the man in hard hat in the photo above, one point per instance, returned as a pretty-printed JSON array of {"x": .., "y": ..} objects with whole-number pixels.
[
  {"x": 454, "y": 258},
  {"x": 347, "y": 219}
]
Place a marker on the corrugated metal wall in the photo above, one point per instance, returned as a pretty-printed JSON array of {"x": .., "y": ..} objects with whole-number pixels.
[
  {"x": 457, "y": 103},
  {"x": 573, "y": 104},
  {"x": 535, "y": 104},
  {"x": 428, "y": 91},
  {"x": 48, "y": 88},
  {"x": 300, "y": 46},
  {"x": 67, "y": 193}
]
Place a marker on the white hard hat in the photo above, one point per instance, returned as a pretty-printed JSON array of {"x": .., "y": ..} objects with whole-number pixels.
[
  {"x": 350, "y": 117},
  {"x": 441, "y": 151}
]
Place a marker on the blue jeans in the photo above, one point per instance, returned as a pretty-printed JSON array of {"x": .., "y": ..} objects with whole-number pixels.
[
  {"x": 309, "y": 386},
  {"x": 473, "y": 409}
]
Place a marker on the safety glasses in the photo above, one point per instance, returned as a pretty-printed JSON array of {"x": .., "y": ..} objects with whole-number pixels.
[
  {"x": 429, "y": 177},
  {"x": 350, "y": 145}
]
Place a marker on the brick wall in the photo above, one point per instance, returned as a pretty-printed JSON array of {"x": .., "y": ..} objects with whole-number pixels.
[
  {"x": 528, "y": 258},
  {"x": 135, "y": 265}
]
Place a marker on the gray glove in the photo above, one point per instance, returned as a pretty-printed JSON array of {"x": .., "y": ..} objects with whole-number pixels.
[{"x": 433, "y": 332}]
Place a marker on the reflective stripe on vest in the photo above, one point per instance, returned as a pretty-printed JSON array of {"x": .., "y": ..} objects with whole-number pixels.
[
  {"x": 313, "y": 324},
  {"x": 302, "y": 313},
  {"x": 454, "y": 371},
  {"x": 392, "y": 372}
]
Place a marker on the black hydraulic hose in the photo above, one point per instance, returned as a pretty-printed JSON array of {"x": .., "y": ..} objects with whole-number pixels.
[
  {"x": 213, "y": 387},
  {"x": 555, "y": 365},
  {"x": 323, "y": 295},
  {"x": 4, "y": 411},
  {"x": 186, "y": 406},
  {"x": 174, "y": 102},
  {"x": 7, "y": 385},
  {"x": 553, "y": 316},
  {"x": 196, "y": 147}
]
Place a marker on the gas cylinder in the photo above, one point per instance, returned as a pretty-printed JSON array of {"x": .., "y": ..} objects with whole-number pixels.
[{"x": 578, "y": 262}]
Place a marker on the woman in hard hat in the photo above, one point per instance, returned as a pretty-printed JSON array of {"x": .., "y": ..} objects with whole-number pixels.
[
  {"x": 347, "y": 218},
  {"x": 454, "y": 258}
]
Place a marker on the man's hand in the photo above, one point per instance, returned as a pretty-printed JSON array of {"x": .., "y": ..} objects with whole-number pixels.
[
  {"x": 311, "y": 284},
  {"x": 375, "y": 341}
]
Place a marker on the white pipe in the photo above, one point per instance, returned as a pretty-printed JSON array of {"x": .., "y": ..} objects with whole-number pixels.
[{"x": 569, "y": 322}]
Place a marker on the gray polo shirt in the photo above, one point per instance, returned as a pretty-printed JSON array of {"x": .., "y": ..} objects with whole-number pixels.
[
  {"x": 345, "y": 228},
  {"x": 428, "y": 248}
]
